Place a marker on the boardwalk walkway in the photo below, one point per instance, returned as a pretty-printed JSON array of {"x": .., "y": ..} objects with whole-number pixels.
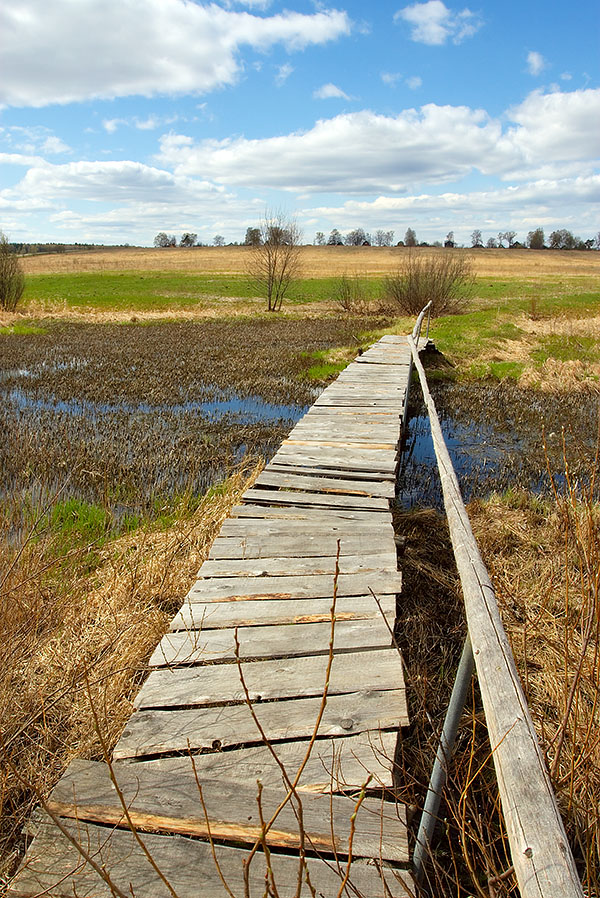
[{"x": 262, "y": 605}]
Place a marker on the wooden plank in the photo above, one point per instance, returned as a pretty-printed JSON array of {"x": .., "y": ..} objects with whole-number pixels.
[
  {"x": 303, "y": 545},
  {"x": 313, "y": 586},
  {"x": 358, "y": 460},
  {"x": 155, "y": 732},
  {"x": 314, "y": 515},
  {"x": 358, "y": 401},
  {"x": 293, "y": 566},
  {"x": 377, "y": 669},
  {"x": 335, "y": 764},
  {"x": 314, "y": 470},
  {"x": 216, "y": 615},
  {"x": 54, "y": 867},
  {"x": 324, "y": 526},
  {"x": 157, "y": 801},
  {"x": 274, "y": 641},
  {"x": 333, "y": 444},
  {"x": 351, "y": 430},
  {"x": 335, "y": 500}
]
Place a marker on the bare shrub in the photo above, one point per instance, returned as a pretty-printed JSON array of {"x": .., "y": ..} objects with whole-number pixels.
[
  {"x": 12, "y": 279},
  {"x": 444, "y": 278},
  {"x": 275, "y": 261},
  {"x": 351, "y": 295}
]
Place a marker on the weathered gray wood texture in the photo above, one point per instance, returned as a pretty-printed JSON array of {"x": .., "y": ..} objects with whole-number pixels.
[
  {"x": 540, "y": 851},
  {"x": 55, "y": 868},
  {"x": 316, "y": 524}
]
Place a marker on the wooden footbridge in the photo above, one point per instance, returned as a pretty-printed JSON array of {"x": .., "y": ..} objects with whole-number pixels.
[{"x": 260, "y": 757}]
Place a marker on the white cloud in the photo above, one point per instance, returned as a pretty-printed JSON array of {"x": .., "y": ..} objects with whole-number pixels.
[
  {"x": 54, "y": 146},
  {"x": 548, "y": 135},
  {"x": 139, "y": 47},
  {"x": 433, "y": 23},
  {"x": 283, "y": 73},
  {"x": 391, "y": 78},
  {"x": 358, "y": 152},
  {"x": 329, "y": 92},
  {"x": 111, "y": 124},
  {"x": 545, "y": 203},
  {"x": 535, "y": 62},
  {"x": 32, "y": 140},
  {"x": 414, "y": 82}
]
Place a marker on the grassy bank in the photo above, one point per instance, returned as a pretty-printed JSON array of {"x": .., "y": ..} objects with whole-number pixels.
[{"x": 81, "y": 609}]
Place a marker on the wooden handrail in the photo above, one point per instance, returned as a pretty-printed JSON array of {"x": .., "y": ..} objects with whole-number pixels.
[{"x": 541, "y": 855}]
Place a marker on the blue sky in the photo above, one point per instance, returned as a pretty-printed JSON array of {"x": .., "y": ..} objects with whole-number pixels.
[{"x": 123, "y": 118}]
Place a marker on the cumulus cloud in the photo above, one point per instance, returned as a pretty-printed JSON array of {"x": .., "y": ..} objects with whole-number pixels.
[
  {"x": 139, "y": 47},
  {"x": 433, "y": 23},
  {"x": 33, "y": 139},
  {"x": 329, "y": 92},
  {"x": 535, "y": 62},
  {"x": 414, "y": 82},
  {"x": 553, "y": 203},
  {"x": 364, "y": 152},
  {"x": 391, "y": 78}
]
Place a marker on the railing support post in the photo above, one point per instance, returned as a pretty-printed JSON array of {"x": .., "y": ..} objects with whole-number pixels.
[{"x": 439, "y": 773}]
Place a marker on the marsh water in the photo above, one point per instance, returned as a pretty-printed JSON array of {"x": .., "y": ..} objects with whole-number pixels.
[
  {"x": 121, "y": 415},
  {"x": 499, "y": 437}
]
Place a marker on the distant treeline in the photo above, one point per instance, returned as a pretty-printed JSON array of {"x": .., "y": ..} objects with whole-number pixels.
[{"x": 33, "y": 249}]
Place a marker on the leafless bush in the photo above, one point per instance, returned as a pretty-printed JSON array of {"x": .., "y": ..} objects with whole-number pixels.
[
  {"x": 12, "y": 279},
  {"x": 444, "y": 278},
  {"x": 351, "y": 295},
  {"x": 275, "y": 261}
]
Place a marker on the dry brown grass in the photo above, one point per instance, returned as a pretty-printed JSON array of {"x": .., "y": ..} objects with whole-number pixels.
[
  {"x": 544, "y": 559},
  {"x": 74, "y": 640},
  {"x": 317, "y": 261}
]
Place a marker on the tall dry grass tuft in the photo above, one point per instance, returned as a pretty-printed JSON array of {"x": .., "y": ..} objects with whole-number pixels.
[
  {"x": 470, "y": 856},
  {"x": 66, "y": 623},
  {"x": 544, "y": 558}
]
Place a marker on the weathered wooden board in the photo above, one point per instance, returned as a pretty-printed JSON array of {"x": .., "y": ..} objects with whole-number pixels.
[
  {"x": 292, "y": 566},
  {"x": 351, "y": 401},
  {"x": 303, "y": 545},
  {"x": 377, "y": 669},
  {"x": 324, "y": 525},
  {"x": 271, "y": 641},
  {"x": 54, "y": 867},
  {"x": 315, "y": 515},
  {"x": 158, "y": 801},
  {"x": 317, "y": 500},
  {"x": 357, "y": 459},
  {"x": 332, "y": 444},
  {"x": 335, "y": 764},
  {"x": 155, "y": 732},
  {"x": 331, "y": 431},
  {"x": 323, "y": 484},
  {"x": 313, "y": 586},
  {"x": 217, "y": 615},
  {"x": 314, "y": 470}
]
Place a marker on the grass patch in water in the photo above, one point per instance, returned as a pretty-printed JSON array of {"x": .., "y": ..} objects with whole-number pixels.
[
  {"x": 22, "y": 329},
  {"x": 566, "y": 348}
]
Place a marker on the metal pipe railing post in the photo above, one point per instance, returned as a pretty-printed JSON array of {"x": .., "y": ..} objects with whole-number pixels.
[{"x": 439, "y": 774}]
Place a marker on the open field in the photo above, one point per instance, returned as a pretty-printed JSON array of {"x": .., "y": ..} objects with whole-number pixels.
[{"x": 317, "y": 261}]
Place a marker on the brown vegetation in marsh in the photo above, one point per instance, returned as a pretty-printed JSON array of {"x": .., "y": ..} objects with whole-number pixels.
[
  {"x": 77, "y": 640},
  {"x": 317, "y": 261}
]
